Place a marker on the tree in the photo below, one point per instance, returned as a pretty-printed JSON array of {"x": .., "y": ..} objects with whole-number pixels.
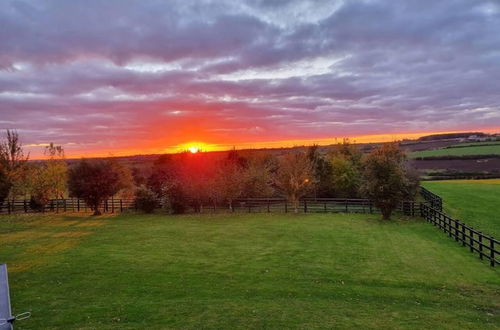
[
  {"x": 145, "y": 199},
  {"x": 4, "y": 185},
  {"x": 97, "y": 181},
  {"x": 13, "y": 162},
  {"x": 345, "y": 177},
  {"x": 346, "y": 162},
  {"x": 295, "y": 177},
  {"x": 258, "y": 176},
  {"x": 322, "y": 172},
  {"x": 385, "y": 177},
  {"x": 230, "y": 178},
  {"x": 49, "y": 179}
]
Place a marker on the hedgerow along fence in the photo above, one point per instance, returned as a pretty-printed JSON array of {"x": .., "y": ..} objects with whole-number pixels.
[{"x": 485, "y": 245}]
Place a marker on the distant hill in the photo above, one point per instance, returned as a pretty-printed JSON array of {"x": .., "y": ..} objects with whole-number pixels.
[{"x": 447, "y": 136}]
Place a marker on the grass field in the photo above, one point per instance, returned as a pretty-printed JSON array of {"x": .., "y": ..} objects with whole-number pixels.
[
  {"x": 476, "y": 202},
  {"x": 485, "y": 148},
  {"x": 243, "y": 271}
]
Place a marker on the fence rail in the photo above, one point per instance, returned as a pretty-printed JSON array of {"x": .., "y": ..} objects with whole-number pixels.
[{"x": 435, "y": 201}]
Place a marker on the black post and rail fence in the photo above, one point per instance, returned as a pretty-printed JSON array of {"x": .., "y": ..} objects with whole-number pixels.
[
  {"x": 247, "y": 205},
  {"x": 484, "y": 245}
]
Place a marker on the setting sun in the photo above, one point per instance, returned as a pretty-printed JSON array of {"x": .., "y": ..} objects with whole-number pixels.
[{"x": 195, "y": 147}]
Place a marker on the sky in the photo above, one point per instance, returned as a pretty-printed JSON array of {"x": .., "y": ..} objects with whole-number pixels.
[{"x": 120, "y": 77}]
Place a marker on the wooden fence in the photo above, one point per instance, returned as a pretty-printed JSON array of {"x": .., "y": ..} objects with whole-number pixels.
[
  {"x": 65, "y": 205},
  {"x": 435, "y": 201},
  {"x": 485, "y": 245},
  {"x": 247, "y": 205},
  {"x": 478, "y": 242}
]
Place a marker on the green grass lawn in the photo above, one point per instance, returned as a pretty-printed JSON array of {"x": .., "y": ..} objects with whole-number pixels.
[
  {"x": 486, "y": 148},
  {"x": 476, "y": 202},
  {"x": 244, "y": 271}
]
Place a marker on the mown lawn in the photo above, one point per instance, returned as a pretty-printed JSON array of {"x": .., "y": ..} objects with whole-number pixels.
[
  {"x": 472, "y": 149},
  {"x": 243, "y": 271},
  {"x": 476, "y": 202}
]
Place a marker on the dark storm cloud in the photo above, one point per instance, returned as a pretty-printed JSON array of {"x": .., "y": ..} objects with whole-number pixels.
[{"x": 294, "y": 69}]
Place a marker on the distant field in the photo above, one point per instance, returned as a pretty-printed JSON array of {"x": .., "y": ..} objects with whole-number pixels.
[
  {"x": 243, "y": 271},
  {"x": 485, "y": 148},
  {"x": 476, "y": 202}
]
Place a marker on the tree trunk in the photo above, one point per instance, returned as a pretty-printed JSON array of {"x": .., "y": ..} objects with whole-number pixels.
[
  {"x": 386, "y": 213},
  {"x": 95, "y": 208}
]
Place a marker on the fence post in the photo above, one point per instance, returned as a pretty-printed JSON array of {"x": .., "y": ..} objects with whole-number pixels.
[
  {"x": 480, "y": 245},
  {"x": 112, "y": 204},
  {"x": 492, "y": 253},
  {"x": 268, "y": 202},
  {"x": 286, "y": 206},
  {"x": 371, "y": 207},
  {"x": 305, "y": 206},
  {"x": 65, "y": 207},
  {"x": 8, "y": 207},
  {"x": 25, "y": 206},
  {"x": 346, "y": 206},
  {"x": 471, "y": 240},
  {"x": 121, "y": 205},
  {"x": 463, "y": 234},
  {"x": 456, "y": 231},
  {"x": 78, "y": 204}
]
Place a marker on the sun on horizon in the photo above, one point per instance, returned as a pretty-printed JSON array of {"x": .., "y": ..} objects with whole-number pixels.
[{"x": 193, "y": 149}]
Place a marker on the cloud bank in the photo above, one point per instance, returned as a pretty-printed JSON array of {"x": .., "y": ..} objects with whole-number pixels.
[{"x": 104, "y": 76}]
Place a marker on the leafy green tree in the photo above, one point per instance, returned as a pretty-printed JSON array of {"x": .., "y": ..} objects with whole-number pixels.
[
  {"x": 97, "y": 181},
  {"x": 345, "y": 177},
  {"x": 385, "y": 178},
  {"x": 346, "y": 163},
  {"x": 295, "y": 177}
]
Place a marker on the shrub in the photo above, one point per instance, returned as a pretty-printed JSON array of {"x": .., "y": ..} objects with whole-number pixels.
[
  {"x": 145, "y": 199},
  {"x": 37, "y": 203}
]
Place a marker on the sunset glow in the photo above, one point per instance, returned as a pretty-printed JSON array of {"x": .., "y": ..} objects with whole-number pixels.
[{"x": 244, "y": 74}]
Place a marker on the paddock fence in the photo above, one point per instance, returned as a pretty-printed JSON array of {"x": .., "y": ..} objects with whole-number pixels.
[
  {"x": 65, "y": 205},
  {"x": 435, "y": 201},
  {"x": 242, "y": 205},
  {"x": 484, "y": 245}
]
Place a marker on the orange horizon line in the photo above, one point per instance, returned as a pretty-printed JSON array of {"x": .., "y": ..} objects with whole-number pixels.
[{"x": 209, "y": 147}]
